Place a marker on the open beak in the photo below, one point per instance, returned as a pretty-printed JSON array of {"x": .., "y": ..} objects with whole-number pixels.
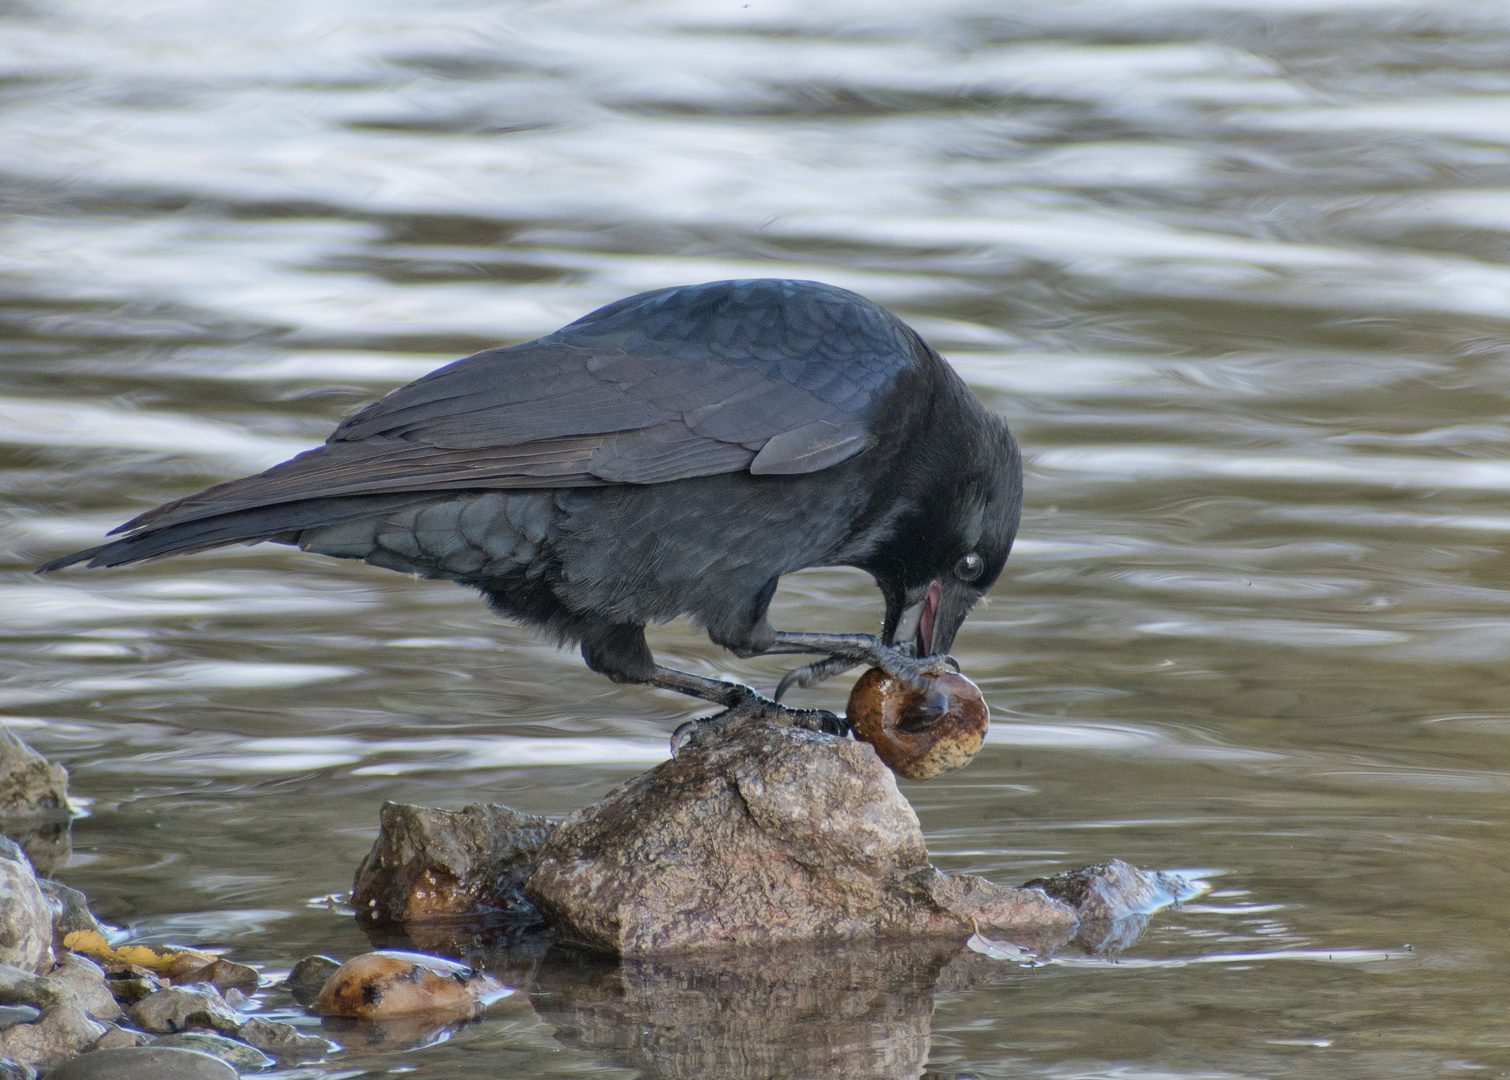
[{"x": 933, "y": 614}]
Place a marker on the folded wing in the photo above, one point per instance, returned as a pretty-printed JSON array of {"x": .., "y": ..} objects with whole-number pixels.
[{"x": 770, "y": 376}]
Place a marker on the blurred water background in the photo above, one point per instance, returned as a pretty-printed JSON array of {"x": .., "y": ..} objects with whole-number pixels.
[{"x": 1237, "y": 272}]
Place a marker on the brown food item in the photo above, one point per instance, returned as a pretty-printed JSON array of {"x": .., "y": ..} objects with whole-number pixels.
[
  {"x": 377, "y": 985},
  {"x": 919, "y": 731}
]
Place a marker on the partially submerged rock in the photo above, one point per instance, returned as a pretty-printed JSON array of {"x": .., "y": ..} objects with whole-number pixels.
[
  {"x": 28, "y": 781},
  {"x": 146, "y": 1063},
  {"x": 238, "y": 1055},
  {"x": 381, "y": 985},
  {"x": 284, "y": 1041},
  {"x": 34, "y": 808},
  {"x": 446, "y": 862},
  {"x": 309, "y": 977},
  {"x": 756, "y": 835},
  {"x": 1114, "y": 901}
]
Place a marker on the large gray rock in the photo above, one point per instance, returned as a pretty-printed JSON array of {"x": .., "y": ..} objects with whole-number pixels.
[
  {"x": 25, "y": 915},
  {"x": 446, "y": 862},
  {"x": 63, "y": 1030},
  {"x": 756, "y": 835}
]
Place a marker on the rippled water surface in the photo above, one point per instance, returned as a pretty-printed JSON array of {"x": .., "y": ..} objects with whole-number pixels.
[{"x": 1238, "y": 274}]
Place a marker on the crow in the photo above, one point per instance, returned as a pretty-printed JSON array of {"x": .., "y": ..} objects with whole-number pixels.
[{"x": 674, "y": 453}]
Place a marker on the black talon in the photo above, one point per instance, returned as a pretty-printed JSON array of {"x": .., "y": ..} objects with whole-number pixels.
[{"x": 813, "y": 674}]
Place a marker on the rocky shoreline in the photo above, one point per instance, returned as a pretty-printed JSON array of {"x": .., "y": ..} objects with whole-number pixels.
[{"x": 776, "y": 856}]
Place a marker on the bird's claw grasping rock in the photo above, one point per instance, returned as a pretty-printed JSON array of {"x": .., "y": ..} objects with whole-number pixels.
[{"x": 820, "y": 720}]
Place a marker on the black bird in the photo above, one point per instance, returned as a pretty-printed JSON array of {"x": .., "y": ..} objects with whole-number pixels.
[{"x": 673, "y": 453}]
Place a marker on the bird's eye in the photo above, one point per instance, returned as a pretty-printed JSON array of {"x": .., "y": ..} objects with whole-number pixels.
[{"x": 969, "y": 567}]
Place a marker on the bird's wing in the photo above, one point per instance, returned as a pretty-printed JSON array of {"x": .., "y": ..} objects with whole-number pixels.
[{"x": 776, "y": 377}]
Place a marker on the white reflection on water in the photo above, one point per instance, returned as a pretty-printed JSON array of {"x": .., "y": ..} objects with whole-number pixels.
[
  {"x": 186, "y": 675},
  {"x": 1169, "y": 462},
  {"x": 293, "y": 754},
  {"x": 37, "y": 604},
  {"x": 1324, "y": 956},
  {"x": 71, "y": 423}
]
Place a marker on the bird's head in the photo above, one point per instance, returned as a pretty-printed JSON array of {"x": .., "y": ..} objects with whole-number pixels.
[{"x": 950, "y": 548}]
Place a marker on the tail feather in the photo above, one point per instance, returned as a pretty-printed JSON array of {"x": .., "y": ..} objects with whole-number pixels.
[{"x": 241, "y": 526}]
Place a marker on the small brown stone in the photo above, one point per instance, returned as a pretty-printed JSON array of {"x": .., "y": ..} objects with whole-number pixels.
[
  {"x": 222, "y": 974},
  {"x": 919, "y": 732},
  {"x": 116, "y": 1036},
  {"x": 378, "y": 985}
]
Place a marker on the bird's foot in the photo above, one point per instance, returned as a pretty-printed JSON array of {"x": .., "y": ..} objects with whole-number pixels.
[
  {"x": 851, "y": 650},
  {"x": 751, "y": 705}
]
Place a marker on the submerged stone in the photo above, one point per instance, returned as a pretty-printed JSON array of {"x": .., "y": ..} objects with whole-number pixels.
[
  {"x": 239, "y": 1055},
  {"x": 283, "y": 1041},
  {"x": 309, "y": 977},
  {"x": 145, "y": 1063},
  {"x": 11, "y": 1015}
]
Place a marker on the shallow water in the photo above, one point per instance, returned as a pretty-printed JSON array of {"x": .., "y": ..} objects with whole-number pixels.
[{"x": 1238, "y": 274}]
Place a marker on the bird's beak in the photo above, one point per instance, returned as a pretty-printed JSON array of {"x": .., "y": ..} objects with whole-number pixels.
[{"x": 933, "y": 615}]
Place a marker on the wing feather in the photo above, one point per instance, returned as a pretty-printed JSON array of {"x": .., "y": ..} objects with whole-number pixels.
[{"x": 777, "y": 377}]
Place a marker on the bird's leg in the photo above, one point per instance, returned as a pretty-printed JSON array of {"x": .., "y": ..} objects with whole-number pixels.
[
  {"x": 850, "y": 650},
  {"x": 739, "y": 701},
  {"x": 621, "y": 653},
  {"x": 731, "y": 695}
]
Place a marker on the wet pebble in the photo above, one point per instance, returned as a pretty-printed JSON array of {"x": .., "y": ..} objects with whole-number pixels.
[
  {"x": 378, "y": 985},
  {"x": 130, "y": 983},
  {"x": 282, "y": 1040},
  {"x": 143, "y": 1062},
  {"x": 309, "y": 977},
  {"x": 11, "y": 1015},
  {"x": 14, "y": 1070},
  {"x": 116, "y": 1036},
  {"x": 86, "y": 979},
  {"x": 236, "y": 1054},
  {"x": 183, "y": 1007}
]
